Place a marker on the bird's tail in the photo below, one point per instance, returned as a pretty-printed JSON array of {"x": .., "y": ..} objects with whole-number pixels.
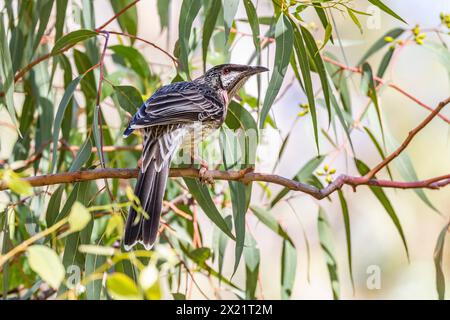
[{"x": 149, "y": 190}]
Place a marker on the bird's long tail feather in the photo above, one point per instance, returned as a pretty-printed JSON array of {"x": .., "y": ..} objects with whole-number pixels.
[{"x": 149, "y": 189}]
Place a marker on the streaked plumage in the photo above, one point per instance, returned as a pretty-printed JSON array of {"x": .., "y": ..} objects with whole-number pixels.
[{"x": 165, "y": 119}]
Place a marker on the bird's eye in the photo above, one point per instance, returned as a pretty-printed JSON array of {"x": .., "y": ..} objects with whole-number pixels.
[{"x": 226, "y": 71}]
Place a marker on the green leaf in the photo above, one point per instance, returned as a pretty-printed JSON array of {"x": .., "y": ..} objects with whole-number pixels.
[
  {"x": 379, "y": 149},
  {"x": 283, "y": 49},
  {"x": 53, "y": 206},
  {"x": 368, "y": 84},
  {"x": 302, "y": 175},
  {"x": 134, "y": 59},
  {"x": 221, "y": 241},
  {"x": 288, "y": 269},
  {"x": 72, "y": 38},
  {"x": 324, "y": 20},
  {"x": 79, "y": 217},
  {"x": 208, "y": 27},
  {"x": 164, "y": 13},
  {"x": 252, "y": 16},
  {"x": 82, "y": 156},
  {"x": 354, "y": 19},
  {"x": 201, "y": 194},
  {"x": 386, "y": 9},
  {"x": 61, "y": 12},
  {"x": 128, "y": 20},
  {"x": 121, "y": 287},
  {"x": 44, "y": 9},
  {"x": 326, "y": 243},
  {"x": 340, "y": 78},
  {"x": 384, "y": 200},
  {"x": 46, "y": 263},
  {"x": 59, "y": 117},
  {"x": 319, "y": 66},
  {"x": 6, "y": 73},
  {"x": 200, "y": 255},
  {"x": 252, "y": 261},
  {"x": 305, "y": 68},
  {"x": 385, "y": 62},
  {"x": 129, "y": 98},
  {"x": 269, "y": 221},
  {"x": 438, "y": 254},
  {"x": 93, "y": 288},
  {"x": 406, "y": 168},
  {"x": 229, "y": 11},
  {"x": 190, "y": 9},
  {"x": 380, "y": 43},
  {"x": 348, "y": 234}
]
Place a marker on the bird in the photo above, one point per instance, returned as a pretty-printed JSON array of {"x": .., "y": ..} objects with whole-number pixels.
[{"x": 165, "y": 121}]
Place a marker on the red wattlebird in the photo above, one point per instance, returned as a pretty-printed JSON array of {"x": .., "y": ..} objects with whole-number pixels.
[{"x": 165, "y": 120}]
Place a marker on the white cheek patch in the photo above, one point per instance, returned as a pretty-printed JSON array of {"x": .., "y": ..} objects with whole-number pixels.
[{"x": 228, "y": 78}]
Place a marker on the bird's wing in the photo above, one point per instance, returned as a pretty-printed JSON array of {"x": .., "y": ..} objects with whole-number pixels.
[{"x": 176, "y": 105}]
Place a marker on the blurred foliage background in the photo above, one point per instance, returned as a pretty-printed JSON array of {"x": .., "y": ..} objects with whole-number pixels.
[{"x": 69, "y": 84}]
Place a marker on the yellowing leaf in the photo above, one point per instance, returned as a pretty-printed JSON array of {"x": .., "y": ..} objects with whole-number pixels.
[
  {"x": 79, "y": 217},
  {"x": 46, "y": 263},
  {"x": 121, "y": 287}
]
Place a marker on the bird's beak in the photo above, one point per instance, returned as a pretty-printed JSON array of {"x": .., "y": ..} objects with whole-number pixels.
[{"x": 255, "y": 70}]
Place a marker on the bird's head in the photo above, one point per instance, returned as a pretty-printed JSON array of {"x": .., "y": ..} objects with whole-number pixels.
[{"x": 230, "y": 77}]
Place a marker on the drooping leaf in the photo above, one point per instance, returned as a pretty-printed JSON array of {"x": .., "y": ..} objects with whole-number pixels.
[
  {"x": 252, "y": 261},
  {"x": 385, "y": 61},
  {"x": 128, "y": 20},
  {"x": 305, "y": 68},
  {"x": 190, "y": 9},
  {"x": 59, "y": 117},
  {"x": 269, "y": 221},
  {"x": 407, "y": 171},
  {"x": 348, "y": 234},
  {"x": 208, "y": 27},
  {"x": 326, "y": 243},
  {"x": 385, "y": 202},
  {"x": 288, "y": 269},
  {"x": 379, "y": 149},
  {"x": 6, "y": 73},
  {"x": 368, "y": 85},
  {"x": 164, "y": 13},
  {"x": 61, "y": 9},
  {"x": 229, "y": 11},
  {"x": 283, "y": 43},
  {"x": 386, "y": 9},
  {"x": 319, "y": 66},
  {"x": 254, "y": 23},
  {"x": 438, "y": 254},
  {"x": 203, "y": 197}
]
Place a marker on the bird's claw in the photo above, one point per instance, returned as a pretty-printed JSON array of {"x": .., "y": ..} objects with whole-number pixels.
[{"x": 205, "y": 176}]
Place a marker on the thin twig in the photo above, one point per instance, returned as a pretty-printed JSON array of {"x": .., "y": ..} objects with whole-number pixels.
[
  {"x": 118, "y": 14},
  {"x": 408, "y": 139},
  {"x": 174, "y": 60}
]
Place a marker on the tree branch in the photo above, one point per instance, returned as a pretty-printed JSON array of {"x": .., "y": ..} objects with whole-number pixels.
[
  {"x": 244, "y": 176},
  {"x": 408, "y": 139}
]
